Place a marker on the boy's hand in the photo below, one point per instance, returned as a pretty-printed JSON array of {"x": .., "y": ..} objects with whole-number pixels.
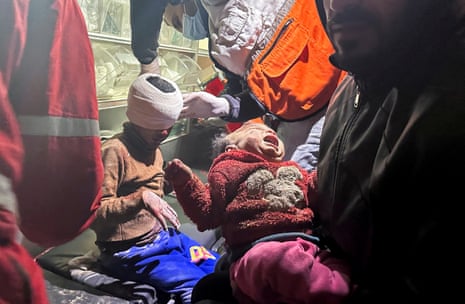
[
  {"x": 160, "y": 209},
  {"x": 177, "y": 172}
]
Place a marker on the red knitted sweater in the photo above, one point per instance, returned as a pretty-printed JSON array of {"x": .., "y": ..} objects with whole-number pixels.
[{"x": 249, "y": 197}]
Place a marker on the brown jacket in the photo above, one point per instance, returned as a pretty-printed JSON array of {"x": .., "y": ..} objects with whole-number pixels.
[{"x": 128, "y": 170}]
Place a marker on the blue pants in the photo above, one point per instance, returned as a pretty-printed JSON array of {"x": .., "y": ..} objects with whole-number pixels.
[{"x": 172, "y": 263}]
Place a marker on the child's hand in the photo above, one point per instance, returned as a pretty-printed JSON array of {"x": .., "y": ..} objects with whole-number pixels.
[
  {"x": 177, "y": 172},
  {"x": 160, "y": 209}
]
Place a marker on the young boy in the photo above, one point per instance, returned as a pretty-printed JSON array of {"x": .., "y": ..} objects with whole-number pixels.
[
  {"x": 252, "y": 194},
  {"x": 130, "y": 226}
]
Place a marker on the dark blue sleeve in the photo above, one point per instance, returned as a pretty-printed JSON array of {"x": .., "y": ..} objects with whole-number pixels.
[
  {"x": 243, "y": 107},
  {"x": 146, "y": 18}
]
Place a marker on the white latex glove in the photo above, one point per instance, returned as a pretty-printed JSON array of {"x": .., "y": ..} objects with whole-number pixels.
[
  {"x": 204, "y": 105},
  {"x": 160, "y": 209}
]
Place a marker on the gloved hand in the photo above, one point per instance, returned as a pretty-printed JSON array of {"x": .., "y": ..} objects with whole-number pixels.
[
  {"x": 204, "y": 105},
  {"x": 160, "y": 209},
  {"x": 177, "y": 172}
]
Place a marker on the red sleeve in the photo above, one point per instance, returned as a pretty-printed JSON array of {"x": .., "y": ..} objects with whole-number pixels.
[
  {"x": 194, "y": 197},
  {"x": 54, "y": 96},
  {"x": 312, "y": 183}
]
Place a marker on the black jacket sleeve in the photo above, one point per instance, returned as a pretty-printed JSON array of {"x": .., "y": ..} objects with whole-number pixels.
[
  {"x": 146, "y": 18},
  {"x": 243, "y": 106}
]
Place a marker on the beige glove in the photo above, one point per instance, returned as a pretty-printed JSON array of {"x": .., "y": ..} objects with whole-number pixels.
[{"x": 204, "y": 105}]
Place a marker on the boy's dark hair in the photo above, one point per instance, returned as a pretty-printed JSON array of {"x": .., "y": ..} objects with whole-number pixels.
[{"x": 161, "y": 84}]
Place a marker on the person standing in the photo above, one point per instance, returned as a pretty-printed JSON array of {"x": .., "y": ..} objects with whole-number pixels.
[
  {"x": 50, "y": 161},
  {"x": 391, "y": 156}
]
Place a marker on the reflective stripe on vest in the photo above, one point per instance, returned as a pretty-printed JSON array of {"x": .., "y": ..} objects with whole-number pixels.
[{"x": 58, "y": 126}]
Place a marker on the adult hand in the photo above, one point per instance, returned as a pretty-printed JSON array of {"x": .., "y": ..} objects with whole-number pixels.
[
  {"x": 160, "y": 209},
  {"x": 204, "y": 105},
  {"x": 177, "y": 172},
  {"x": 152, "y": 67}
]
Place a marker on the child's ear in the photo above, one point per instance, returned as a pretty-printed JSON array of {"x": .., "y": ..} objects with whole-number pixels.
[{"x": 230, "y": 147}]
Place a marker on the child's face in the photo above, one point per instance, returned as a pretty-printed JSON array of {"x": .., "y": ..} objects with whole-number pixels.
[
  {"x": 153, "y": 138},
  {"x": 259, "y": 139}
]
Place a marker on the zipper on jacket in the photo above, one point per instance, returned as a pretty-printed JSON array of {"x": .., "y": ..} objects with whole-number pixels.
[
  {"x": 357, "y": 98},
  {"x": 281, "y": 32},
  {"x": 343, "y": 138}
]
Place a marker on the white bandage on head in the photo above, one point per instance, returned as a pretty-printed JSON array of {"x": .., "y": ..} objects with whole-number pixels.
[{"x": 154, "y": 102}]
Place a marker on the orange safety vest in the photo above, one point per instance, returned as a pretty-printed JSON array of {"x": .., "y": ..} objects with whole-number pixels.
[
  {"x": 292, "y": 75},
  {"x": 50, "y": 115}
]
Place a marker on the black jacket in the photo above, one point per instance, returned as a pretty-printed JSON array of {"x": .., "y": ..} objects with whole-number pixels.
[{"x": 391, "y": 174}]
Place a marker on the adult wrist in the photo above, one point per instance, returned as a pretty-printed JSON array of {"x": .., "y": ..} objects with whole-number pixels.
[
  {"x": 152, "y": 67},
  {"x": 234, "y": 106}
]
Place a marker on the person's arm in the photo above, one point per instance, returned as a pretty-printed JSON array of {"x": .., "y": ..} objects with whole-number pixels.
[
  {"x": 112, "y": 205},
  {"x": 160, "y": 209},
  {"x": 312, "y": 182},
  {"x": 54, "y": 116},
  {"x": 238, "y": 108},
  {"x": 146, "y": 18},
  {"x": 193, "y": 195},
  {"x": 243, "y": 107}
]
